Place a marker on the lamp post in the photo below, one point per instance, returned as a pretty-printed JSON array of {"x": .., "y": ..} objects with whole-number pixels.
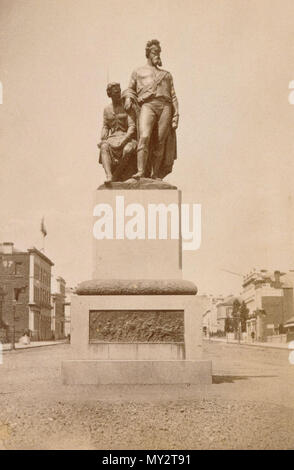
[
  {"x": 2, "y": 294},
  {"x": 13, "y": 324},
  {"x": 237, "y": 329},
  {"x": 17, "y": 291},
  {"x": 238, "y": 318},
  {"x": 2, "y": 324}
]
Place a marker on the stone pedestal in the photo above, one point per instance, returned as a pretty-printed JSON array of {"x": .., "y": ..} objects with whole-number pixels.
[
  {"x": 145, "y": 258},
  {"x": 137, "y": 321}
]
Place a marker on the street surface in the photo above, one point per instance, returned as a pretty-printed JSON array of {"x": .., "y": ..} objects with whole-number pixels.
[{"x": 249, "y": 406}]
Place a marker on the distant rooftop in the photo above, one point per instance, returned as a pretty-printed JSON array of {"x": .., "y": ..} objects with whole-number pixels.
[
  {"x": 264, "y": 275},
  {"x": 8, "y": 248},
  {"x": 229, "y": 300}
]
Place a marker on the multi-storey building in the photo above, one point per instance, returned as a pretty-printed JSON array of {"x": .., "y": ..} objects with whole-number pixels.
[
  {"x": 210, "y": 318},
  {"x": 68, "y": 292},
  {"x": 58, "y": 308},
  {"x": 224, "y": 309},
  {"x": 25, "y": 277},
  {"x": 269, "y": 297}
]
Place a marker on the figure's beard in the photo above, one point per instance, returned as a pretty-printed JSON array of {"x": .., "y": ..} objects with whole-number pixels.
[{"x": 157, "y": 61}]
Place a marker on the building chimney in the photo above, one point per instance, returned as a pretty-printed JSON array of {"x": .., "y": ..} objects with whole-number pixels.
[
  {"x": 277, "y": 277},
  {"x": 7, "y": 248}
]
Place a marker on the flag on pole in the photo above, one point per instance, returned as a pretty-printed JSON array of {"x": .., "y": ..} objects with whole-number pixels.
[{"x": 43, "y": 228}]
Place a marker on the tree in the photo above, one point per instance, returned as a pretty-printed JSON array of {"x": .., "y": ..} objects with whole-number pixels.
[
  {"x": 244, "y": 312},
  {"x": 236, "y": 314},
  {"x": 228, "y": 325}
]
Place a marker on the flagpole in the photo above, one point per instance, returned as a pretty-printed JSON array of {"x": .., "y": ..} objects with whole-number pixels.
[{"x": 44, "y": 233}]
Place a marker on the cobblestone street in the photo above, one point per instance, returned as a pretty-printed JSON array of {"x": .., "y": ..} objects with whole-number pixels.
[{"x": 249, "y": 406}]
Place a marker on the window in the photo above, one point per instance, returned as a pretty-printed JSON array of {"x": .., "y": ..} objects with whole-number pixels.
[
  {"x": 36, "y": 294},
  {"x": 37, "y": 271},
  {"x": 18, "y": 268}
]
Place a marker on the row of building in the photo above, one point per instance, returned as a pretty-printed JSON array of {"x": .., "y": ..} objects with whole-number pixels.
[
  {"x": 31, "y": 300},
  {"x": 269, "y": 298}
]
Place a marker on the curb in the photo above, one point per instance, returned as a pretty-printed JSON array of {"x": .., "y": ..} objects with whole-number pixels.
[
  {"x": 33, "y": 347},
  {"x": 259, "y": 345}
]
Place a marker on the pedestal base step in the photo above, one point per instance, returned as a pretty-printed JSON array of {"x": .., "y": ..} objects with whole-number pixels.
[{"x": 95, "y": 372}]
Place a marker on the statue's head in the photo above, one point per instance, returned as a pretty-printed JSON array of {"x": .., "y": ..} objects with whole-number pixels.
[
  {"x": 113, "y": 90},
  {"x": 153, "y": 51}
]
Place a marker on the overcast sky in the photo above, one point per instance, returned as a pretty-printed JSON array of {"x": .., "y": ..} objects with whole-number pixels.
[{"x": 231, "y": 60}]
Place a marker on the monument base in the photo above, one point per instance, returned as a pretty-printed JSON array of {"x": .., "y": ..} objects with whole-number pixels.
[
  {"x": 137, "y": 332},
  {"x": 95, "y": 372}
]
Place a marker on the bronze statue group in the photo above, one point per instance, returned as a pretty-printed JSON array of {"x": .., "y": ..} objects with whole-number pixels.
[{"x": 138, "y": 138}]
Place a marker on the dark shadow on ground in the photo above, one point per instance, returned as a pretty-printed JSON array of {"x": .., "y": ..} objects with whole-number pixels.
[{"x": 230, "y": 379}]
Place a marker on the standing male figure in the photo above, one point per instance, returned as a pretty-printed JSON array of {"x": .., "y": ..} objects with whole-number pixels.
[{"x": 152, "y": 93}]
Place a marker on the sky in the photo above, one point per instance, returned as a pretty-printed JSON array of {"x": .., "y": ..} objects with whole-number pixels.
[{"x": 231, "y": 60}]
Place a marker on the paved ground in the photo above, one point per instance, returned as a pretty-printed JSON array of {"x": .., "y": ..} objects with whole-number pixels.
[{"x": 249, "y": 406}]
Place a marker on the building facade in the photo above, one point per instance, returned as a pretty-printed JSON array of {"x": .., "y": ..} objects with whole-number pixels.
[
  {"x": 25, "y": 278},
  {"x": 224, "y": 310},
  {"x": 58, "y": 308},
  {"x": 269, "y": 297},
  {"x": 210, "y": 316},
  {"x": 67, "y": 317}
]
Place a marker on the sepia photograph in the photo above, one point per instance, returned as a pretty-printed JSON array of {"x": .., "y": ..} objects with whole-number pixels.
[{"x": 146, "y": 228}]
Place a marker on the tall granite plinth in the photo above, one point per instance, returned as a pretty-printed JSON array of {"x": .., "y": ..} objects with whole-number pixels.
[{"x": 140, "y": 258}]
